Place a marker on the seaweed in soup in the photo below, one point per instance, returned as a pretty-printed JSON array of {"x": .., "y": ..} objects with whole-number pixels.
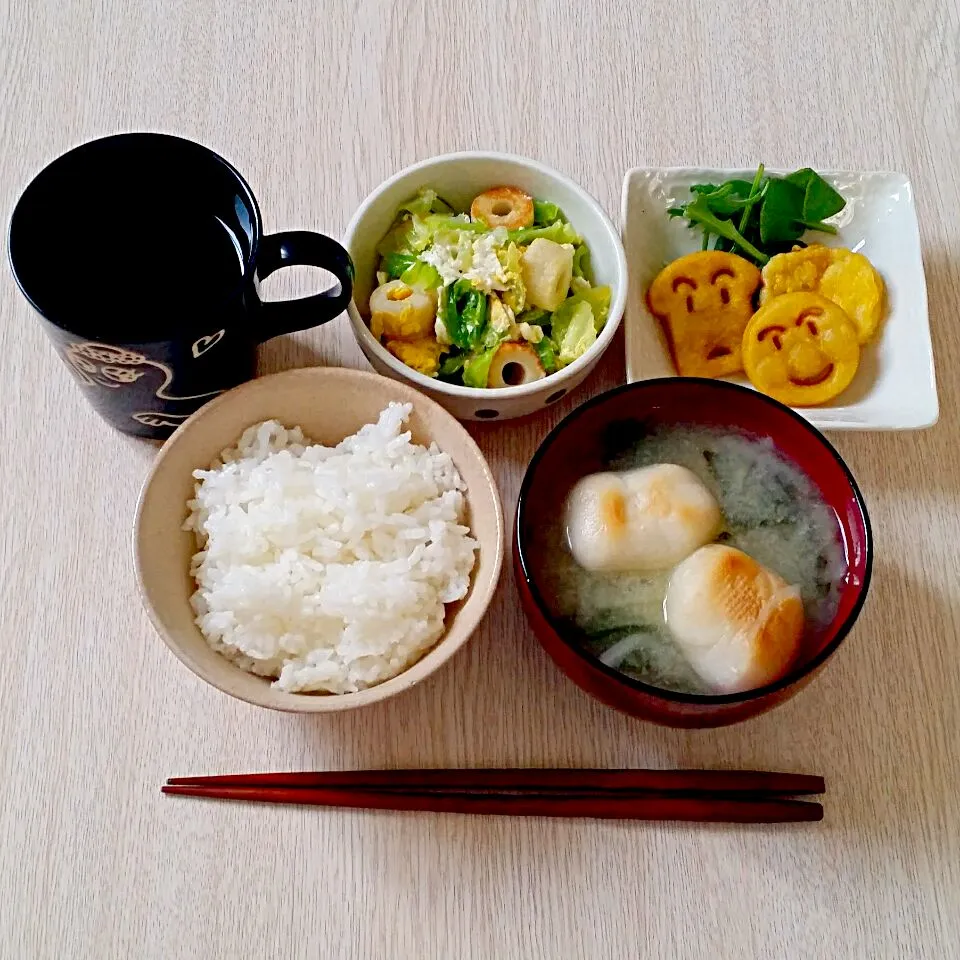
[{"x": 622, "y": 439}]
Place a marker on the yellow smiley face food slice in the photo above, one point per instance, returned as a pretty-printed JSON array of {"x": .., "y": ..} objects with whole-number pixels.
[
  {"x": 704, "y": 302},
  {"x": 853, "y": 284},
  {"x": 801, "y": 349}
]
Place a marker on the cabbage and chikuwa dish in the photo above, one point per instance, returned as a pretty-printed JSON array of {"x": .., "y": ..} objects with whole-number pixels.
[{"x": 498, "y": 296}]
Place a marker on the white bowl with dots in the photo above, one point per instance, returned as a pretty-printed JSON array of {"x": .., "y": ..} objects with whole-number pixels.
[{"x": 458, "y": 178}]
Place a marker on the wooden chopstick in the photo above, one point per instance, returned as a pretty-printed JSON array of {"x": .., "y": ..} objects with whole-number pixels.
[
  {"x": 732, "y": 783},
  {"x": 734, "y": 796},
  {"x": 609, "y": 807}
]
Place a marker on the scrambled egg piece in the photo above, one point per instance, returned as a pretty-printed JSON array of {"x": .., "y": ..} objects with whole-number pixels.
[
  {"x": 502, "y": 319},
  {"x": 459, "y": 254},
  {"x": 422, "y": 355},
  {"x": 846, "y": 278},
  {"x": 531, "y": 332}
]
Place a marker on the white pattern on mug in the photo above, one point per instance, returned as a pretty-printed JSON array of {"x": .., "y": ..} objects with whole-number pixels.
[
  {"x": 108, "y": 366},
  {"x": 204, "y": 344},
  {"x": 151, "y": 419}
]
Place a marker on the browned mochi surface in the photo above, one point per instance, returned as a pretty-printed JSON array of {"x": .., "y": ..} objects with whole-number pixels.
[
  {"x": 646, "y": 519},
  {"x": 738, "y": 623}
]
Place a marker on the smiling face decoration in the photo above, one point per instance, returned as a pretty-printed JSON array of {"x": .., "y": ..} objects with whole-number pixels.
[
  {"x": 703, "y": 301},
  {"x": 801, "y": 349}
]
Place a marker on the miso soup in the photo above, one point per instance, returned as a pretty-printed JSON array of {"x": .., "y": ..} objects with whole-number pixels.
[{"x": 770, "y": 510}]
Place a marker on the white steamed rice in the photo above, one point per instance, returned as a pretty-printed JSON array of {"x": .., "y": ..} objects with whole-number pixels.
[{"x": 328, "y": 567}]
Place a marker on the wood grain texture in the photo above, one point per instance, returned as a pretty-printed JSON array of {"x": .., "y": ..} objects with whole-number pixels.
[{"x": 316, "y": 103}]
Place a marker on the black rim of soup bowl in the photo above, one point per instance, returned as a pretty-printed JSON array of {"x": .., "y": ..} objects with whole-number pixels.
[{"x": 705, "y": 699}]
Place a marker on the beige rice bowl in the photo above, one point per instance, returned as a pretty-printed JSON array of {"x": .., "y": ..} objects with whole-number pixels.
[{"x": 328, "y": 568}]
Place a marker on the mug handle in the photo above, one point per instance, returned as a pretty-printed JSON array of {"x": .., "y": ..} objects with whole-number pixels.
[{"x": 301, "y": 247}]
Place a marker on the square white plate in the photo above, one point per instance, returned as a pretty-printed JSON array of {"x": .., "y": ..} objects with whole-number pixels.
[{"x": 895, "y": 387}]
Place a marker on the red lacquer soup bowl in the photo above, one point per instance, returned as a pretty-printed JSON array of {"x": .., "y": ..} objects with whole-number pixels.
[{"x": 580, "y": 445}]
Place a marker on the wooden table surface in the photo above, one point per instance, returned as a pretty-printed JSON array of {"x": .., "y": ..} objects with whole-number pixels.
[{"x": 316, "y": 104}]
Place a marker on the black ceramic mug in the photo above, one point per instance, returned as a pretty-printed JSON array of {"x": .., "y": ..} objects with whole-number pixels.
[{"x": 143, "y": 255}]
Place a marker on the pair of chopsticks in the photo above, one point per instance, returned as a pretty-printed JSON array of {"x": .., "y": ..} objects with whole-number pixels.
[{"x": 710, "y": 796}]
